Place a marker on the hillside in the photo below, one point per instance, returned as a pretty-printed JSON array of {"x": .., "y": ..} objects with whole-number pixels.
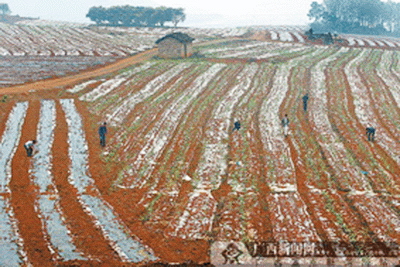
[
  {"x": 14, "y": 19},
  {"x": 174, "y": 178}
]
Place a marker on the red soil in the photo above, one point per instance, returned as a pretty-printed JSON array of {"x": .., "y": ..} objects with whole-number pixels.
[{"x": 131, "y": 204}]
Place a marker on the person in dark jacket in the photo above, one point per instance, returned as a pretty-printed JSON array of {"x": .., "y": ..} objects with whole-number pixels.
[
  {"x": 103, "y": 133},
  {"x": 236, "y": 126},
  {"x": 371, "y": 133},
  {"x": 305, "y": 101}
]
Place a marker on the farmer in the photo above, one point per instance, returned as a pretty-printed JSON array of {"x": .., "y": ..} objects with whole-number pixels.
[
  {"x": 370, "y": 133},
  {"x": 29, "y": 146},
  {"x": 237, "y": 126},
  {"x": 285, "y": 125},
  {"x": 102, "y": 134},
  {"x": 305, "y": 100}
]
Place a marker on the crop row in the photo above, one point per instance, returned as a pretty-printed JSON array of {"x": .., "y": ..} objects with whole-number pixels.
[
  {"x": 60, "y": 238},
  {"x": 18, "y": 70},
  {"x": 191, "y": 167}
]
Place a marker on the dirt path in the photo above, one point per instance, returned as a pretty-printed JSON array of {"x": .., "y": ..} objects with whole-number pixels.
[{"x": 80, "y": 77}]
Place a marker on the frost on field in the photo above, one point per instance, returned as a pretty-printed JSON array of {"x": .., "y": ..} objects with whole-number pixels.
[
  {"x": 364, "y": 108},
  {"x": 11, "y": 253},
  {"x": 111, "y": 84},
  {"x": 158, "y": 137},
  {"x": 200, "y": 210},
  {"x": 335, "y": 151},
  {"x": 285, "y": 36},
  {"x": 9, "y": 141},
  {"x": 82, "y": 86},
  {"x": 51, "y": 214},
  {"x": 272, "y": 136},
  {"x": 121, "y": 111},
  {"x": 291, "y": 219},
  {"x": 119, "y": 236},
  {"x": 389, "y": 76},
  {"x": 11, "y": 245}
]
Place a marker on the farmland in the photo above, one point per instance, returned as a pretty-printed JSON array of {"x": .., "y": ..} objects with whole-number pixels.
[{"x": 174, "y": 176}]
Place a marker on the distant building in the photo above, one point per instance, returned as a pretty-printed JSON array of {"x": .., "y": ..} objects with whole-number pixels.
[
  {"x": 175, "y": 45},
  {"x": 326, "y": 38}
]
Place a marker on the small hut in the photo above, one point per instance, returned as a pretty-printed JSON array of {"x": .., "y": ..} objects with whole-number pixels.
[{"x": 175, "y": 45}]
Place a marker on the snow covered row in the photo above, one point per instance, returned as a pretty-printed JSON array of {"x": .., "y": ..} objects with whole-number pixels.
[
  {"x": 48, "y": 198},
  {"x": 282, "y": 175},
  {"x": 79, "y": 87},
  {"x": 290, "y": 218},
  {"x": 213, "y": 164},
  {"x": 160, "y": 134},
  {"x": 9, "y": 142},
  {"x": 362, "y": 41},
  {"x": 254, "y": 50},
  {"x": 11, "y": 244},
  {"x": 389, "y": 76},
  {"x": 335, "y": 151},
  {"x": 120, "y": 237},
  {"x": 109, "y": 85},
  {"x": 19, "y": 40},
  {"x": 364, "y": 108},
  {"x": 17, "y": 70},
  {"x": 117, "y": 114}
]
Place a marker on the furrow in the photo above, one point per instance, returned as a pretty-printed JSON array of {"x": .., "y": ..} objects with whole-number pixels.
[
  {"x": 113, "y": 228},
  {"x": 212, "y": 165},
  {"x": 160, "y": 134},
  {"x": 11, "y": 244},
  {"x": 48, "y": 198}
]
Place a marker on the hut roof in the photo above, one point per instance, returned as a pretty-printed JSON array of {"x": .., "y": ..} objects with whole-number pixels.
[{"x": 181, "y": 37}]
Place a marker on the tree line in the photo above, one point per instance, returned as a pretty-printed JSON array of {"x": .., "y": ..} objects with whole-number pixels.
[
  {"x": 356, "y": 16},
  {"x": 136, "y": 16}
]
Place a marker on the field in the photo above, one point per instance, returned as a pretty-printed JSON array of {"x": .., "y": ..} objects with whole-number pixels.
[{"x": 174, "y": 176}]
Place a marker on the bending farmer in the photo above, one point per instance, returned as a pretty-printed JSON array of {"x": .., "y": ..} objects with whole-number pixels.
[{"x": 29, "y": 146}]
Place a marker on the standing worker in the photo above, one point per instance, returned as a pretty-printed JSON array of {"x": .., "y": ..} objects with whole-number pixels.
[
  {"x": 285, "y": 125},
  {"x": 29, "y": 146},
  {"x": 371, "y": 133},
  {"x": 102, "y": 134},
  {"x": 305, "y": 100}
]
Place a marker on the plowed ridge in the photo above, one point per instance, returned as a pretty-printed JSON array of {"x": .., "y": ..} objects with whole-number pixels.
[
  {"x": 11, "y": 245},
  {"x": 60, "y": 239},
  {"x": 320, "y": 183},
  {"x": 176, "y": 173}
]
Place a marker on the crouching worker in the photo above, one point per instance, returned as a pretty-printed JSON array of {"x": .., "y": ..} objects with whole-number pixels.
[
  {"x": 29, "y": 147},
  {"x": 236, "y": 126},
  {"x": 370, "y": 133}
]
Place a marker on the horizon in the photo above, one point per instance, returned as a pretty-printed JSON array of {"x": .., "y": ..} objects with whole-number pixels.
[{"x": 206, "y": 14}]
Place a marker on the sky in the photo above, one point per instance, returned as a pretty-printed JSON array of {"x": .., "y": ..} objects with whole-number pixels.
[{"x": 199, "y": 13}]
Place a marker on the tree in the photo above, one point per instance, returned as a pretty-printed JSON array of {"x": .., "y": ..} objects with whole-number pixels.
[
  {"x": 355, "y": 16},
  {"x": 178, "y": 16},
  {"x": 97, "y": 14},
  {"x": 392, "y": 12},
  {"x": 316, "y": 12},
  {"x": 4, "y": 9}
]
